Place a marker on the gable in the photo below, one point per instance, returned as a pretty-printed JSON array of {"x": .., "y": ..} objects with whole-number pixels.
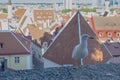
[{"x": 60, "y": 51}]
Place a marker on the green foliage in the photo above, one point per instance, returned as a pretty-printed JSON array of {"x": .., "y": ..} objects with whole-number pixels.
[
  {"x": 66, "y": 10},
  {"x": 112, "y": 9},
  {"x": 5, "y": 11},
  {"x": 88, "y": 10},
  {"x": 118, "y": 11}
]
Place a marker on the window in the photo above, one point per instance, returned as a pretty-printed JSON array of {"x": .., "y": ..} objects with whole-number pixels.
[
  {"x": 109, "y": 34},
  {"x": 1, "y": 45},
  {"x": 118, "y": 34},
  {"x": 100, "y": 34},
  {"x": 17, "y": 59}
]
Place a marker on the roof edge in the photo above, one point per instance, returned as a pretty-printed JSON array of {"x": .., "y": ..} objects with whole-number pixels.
[
  {"x": 20, "y": 42},
  {"x": 60, "y": 32},
  {"x": 22, "y": 53}
]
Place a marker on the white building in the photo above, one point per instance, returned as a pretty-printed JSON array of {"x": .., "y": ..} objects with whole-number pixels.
[
  {"x": 98, "y": 3},
  {"x": 9, "y": 10},
  {"x": 68, "y": 4},
  {"x": 107, "y": 5}
]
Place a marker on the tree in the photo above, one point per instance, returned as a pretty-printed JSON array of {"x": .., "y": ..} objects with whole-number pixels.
[
  {"x": 88, "y": 10},
  {"x": 5, "y": 10},
  {"x": 66, "y": 10}
]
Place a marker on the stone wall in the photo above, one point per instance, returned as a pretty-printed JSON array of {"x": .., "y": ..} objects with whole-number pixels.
[{"x": 85, "y": 72}]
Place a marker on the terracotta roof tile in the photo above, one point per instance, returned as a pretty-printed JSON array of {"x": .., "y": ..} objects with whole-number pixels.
[
  {"x": 114, "y": 48},
  {"x": 26, "y": 42},
  {"x": 3, "y": 16},
  {"x": 23, "y": 20},
  {"x": 35, "y": 32},
  {"x": 65, "y": 18},
  {"x": 107, "y": 23},
  {"x": 60, "y": 51},
  {"x": 19, "y": 13},
  {"x": 43, "y": 15},
  {"x": 11, "y": 44}
]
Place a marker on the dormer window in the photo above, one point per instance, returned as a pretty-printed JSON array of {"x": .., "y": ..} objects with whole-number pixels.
[
  {"x": 118, "y": 34},
  {"x": 109, "y": 34},
  {"x": 1, "y": 45},
  {"x": 100, "y": 34}
]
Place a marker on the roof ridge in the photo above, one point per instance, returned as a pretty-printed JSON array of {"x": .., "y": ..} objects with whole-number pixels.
[
  {"x": 61, "y": 31},
  {"x": 79, "y": 29},
  {"x": 19, "y": 41},
  {"x": 23, "y": 34}
]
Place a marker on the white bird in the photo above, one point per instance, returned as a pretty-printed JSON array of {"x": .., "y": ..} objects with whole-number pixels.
[{"x": 80, "y": 51}]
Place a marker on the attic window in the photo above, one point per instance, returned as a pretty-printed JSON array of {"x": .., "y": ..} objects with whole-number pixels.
[
  {"x": 100, "y": 34},
  {"x": 109, "y": 34},
  {"x": 1, "y": 45},
  {"x": 118, "y": 34}
]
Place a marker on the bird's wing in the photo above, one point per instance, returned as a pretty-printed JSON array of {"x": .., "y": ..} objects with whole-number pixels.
[{"x": 75, "y": 54}]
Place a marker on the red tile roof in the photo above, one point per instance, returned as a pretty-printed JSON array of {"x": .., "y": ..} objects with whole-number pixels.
[
  {"x": 39, "y": 33},
  {"x": 114, "y": 48},
  {"x": 35, "y": 32},
  {"x": 65, "y": 17},
  {"x": 13, "y": 44},
  {"x": 19, "y": 13},
  {"x": 23, "y": 20},
  {"x": 107, "y": 23},
  {"x": 3, "y": 16},
  {"x": 43, "y": 15},
  {"x": 60, "y": 51}
]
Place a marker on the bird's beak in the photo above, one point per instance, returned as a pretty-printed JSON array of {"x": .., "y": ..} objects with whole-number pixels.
[{"x": 91, "y": 37}]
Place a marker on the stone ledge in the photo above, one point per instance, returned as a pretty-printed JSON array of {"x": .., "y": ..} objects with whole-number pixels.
[{"x": 85, "y": 72}]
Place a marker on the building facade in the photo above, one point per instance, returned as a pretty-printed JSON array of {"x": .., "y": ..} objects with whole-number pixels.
[
  {"x": 68, "y": 4},
  {"x": 15, "y": 51},
  {"x": 106, "y": 27}
]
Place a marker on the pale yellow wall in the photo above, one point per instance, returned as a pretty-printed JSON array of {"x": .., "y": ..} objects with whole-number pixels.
[{"x": 18, "y": 66}]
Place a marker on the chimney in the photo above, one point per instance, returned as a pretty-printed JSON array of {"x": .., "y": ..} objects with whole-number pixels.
[
  {"x": 27, "y": 32},
  {"x": 107, "y": 5},
  {"x": 9, "y": 9}
]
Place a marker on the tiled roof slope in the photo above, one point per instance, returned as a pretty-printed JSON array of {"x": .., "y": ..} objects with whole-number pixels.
[
  {"x": 35, "y": 32},
  {"x": 107, "y": 23},
  {"x": 19, "y": 13},
  {"x": 43, "y": 15},
  {"x": 114, "y": 48},
  {"x": 12, "y": 44},
  {"x": 3, "y": 16},
  {"x": 60, "y": 51}
]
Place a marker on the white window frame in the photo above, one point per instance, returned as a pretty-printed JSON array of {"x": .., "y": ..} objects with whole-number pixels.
[
  {"x": 109, "y": 34},
  {"x": 100, "y": 34},
  {"x": 118, "y": 34},
  {"x": 17, "y": 59}
]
